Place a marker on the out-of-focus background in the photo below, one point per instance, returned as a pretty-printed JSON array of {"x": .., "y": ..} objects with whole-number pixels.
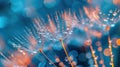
[{"x": 15, "y": 15}]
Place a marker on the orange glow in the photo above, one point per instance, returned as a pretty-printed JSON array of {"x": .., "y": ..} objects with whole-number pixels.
[
  {"x": 101, "y": 62},
  {"x": 75, "y": 21},
  {"x": 96, "y": 33},
  {"x": 68, "y": 19},
  {"x": 89, "y": 1},
  {"x": 51, "y": 27},
  {"x": 61, "y": 64},
  {"x": 8, "y": 63},
  {"x": 107, "y": 52},
  {"x": 74, "y": 63},
  {"x": 118, "y": 42},
  {"x": 116, "y": 2},
  {"x": 99, "y": 48},
  {"x": 93, "y": 32},
  {"x": 87, "y": 42},
  {"x": 86, "y": 29},
  {"x": 107, "y": 28},
  {"x": 32, "y": 40},
  {"x": 21, "y": 59},
  {"x": 93, "y": 14}
]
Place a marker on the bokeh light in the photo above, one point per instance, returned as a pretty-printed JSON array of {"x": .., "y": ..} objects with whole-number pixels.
[
  {"x": 59, "y": 33},
  {"x": 118, "y": 42},
  {"x": 3, "y": 21},
  {"x": 50, "y": 3}
]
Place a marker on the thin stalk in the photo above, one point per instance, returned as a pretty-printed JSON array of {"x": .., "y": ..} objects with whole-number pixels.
[
  {"x": 111, "y": 54},
  {"x": 41, "y": 51},
  {"x": 94, "y": 56},
  {"x": 62, "y": 43}
]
